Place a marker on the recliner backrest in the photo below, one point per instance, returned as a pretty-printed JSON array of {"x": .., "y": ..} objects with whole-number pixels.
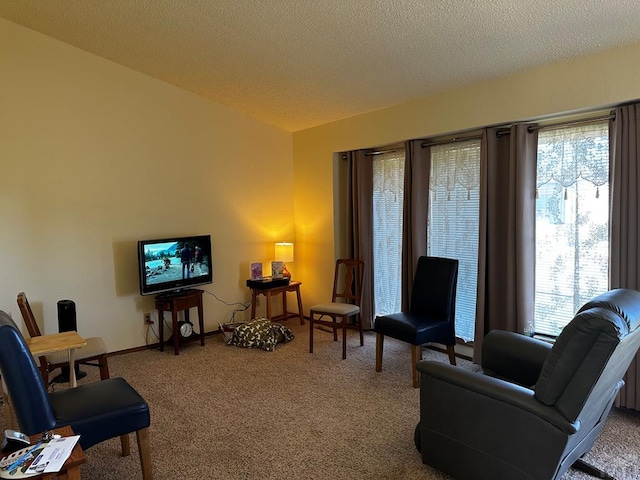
[
  {"x": 591, "y": 355},
  {"x": 624, "y": 302},
  {"x": 26, "y": 388},
  {"x": 434, "y": 287}
]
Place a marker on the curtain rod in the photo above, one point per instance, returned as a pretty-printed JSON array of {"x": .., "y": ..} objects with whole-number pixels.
[
  {"x": 379, "y": 152},
  {"x": 376, "y": 152},
  {"x": 584, "y": 121},
  {"x": 501, "y": 132},
  {"x": 453, "y": 140}
]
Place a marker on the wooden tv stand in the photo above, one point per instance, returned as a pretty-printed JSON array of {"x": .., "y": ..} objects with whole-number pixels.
[{"x": 174, "y": 302}]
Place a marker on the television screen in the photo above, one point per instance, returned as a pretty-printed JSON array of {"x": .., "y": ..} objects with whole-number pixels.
[{"x": 176, "y": 263}]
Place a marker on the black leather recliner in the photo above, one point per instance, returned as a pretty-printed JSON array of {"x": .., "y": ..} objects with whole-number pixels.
[{"x": 535, "y": 409}]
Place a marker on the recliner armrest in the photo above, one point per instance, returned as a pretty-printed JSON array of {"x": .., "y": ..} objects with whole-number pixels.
[
  {"x": 494, "y": 389},
  {"x": 513, "y": 357}
]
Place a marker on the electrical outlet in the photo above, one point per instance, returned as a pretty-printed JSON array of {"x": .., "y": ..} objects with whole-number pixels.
[{"x": 147, "y": 318}]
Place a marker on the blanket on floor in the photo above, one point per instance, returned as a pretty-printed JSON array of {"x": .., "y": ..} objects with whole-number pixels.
[{"x": 260, "y": 333}]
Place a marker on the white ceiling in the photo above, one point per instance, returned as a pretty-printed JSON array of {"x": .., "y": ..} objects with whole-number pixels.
[{"x": 300, "y": 63}]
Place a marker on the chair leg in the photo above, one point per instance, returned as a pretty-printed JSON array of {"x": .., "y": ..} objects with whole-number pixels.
[
  {"x": 335, "y": 329},
  {"x": 359, "y": 320},
  {"x": 126, "y": 446},
  {"x": 8, "y": 410},
  {"x": 452, "y": 354},
  {"x": 591, "y": 470},
  {"x": 344, "y": 338},
  {"x": 310, "y": 332},
  {"x": 145, "y": 453},
  {"x": 416, "y": 356},
  {"x": 44, "y": 371},
  {"x": 379, "y": 347},
  {"x": 104, "y": 367}
]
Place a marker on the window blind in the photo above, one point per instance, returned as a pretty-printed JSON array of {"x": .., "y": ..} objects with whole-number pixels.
[
  {"x": 453, "y": 222},
  {"x": 388, "y": 199},
  {"x": 572, "y": 222}
]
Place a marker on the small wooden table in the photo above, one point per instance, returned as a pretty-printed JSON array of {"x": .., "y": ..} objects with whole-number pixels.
[
  {"x": 58, "y": 342},
  {"x": 175, "y": 302},
  {"x": 269, "y": 292},
  {"x": 71, "y": 468}
]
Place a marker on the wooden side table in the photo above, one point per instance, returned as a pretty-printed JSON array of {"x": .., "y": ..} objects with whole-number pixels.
[
  {"x": 175, "y": 302},
  {"x": 58, "y": 342},
  {"x": 269, "y": 292},
  {"x": 71, "y": 468}
]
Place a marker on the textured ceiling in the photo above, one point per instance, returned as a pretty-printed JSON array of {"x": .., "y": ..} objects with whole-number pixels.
[{"x": 300, "y": 63}]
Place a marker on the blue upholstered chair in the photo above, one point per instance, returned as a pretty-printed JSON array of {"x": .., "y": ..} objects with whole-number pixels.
[
  {"x": 96, "y": 411},
  {"x": 431, "y": 316}
]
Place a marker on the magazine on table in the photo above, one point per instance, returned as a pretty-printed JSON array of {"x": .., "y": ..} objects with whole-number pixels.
[
  {"x": 54, "y": 454},
  {"x": 43, "y": 457}
]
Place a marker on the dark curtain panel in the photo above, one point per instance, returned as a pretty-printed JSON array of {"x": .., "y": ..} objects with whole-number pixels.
[
  {"x": 506, "y": 251},
  {"x": 417, "y": 166},
  {"x": 624, "y": 244},
  {"x": 360, "y": 231}
]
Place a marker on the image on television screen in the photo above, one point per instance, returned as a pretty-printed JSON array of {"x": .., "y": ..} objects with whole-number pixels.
[{"x": 175, "y": 261}]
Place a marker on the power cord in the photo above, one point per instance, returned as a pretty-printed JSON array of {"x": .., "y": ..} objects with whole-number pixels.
[{"x": 242, "y": 306}]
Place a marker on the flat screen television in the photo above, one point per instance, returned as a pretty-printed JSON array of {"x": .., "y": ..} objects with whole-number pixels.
[{"x": 174, "y": 264}]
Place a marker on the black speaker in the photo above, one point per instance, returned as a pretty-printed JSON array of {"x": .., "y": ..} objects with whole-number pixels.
[
  {"x": 67, "y": 316},
  {"x": 66, "y": 323}
]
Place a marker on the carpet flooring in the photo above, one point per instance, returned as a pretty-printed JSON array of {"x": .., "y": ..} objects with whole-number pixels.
[{"x": 230, "y": 413}]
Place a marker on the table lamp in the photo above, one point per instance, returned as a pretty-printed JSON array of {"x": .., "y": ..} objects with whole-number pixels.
[{"x": 284, "y": 253}]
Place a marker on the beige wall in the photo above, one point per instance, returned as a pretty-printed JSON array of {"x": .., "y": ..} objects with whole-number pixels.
[
  {"x": 587, "y": 83},
  {"x": 95, "y": 156}
]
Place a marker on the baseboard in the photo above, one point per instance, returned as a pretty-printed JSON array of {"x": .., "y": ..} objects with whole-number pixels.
[{"x": 153, "y": 346}]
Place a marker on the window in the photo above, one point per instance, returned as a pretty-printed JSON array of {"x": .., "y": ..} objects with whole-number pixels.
[
  {"x": 454, "y": 212},
  {"x": 388, "y": 199},
  {"x": 572, "y": 222}
]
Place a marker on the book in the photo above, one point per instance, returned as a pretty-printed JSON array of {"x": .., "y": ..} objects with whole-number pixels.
[
  {"x": 277, "y": 269},
  {"x": 256, "y": 271},
  {"x": 266, "y": 283}
]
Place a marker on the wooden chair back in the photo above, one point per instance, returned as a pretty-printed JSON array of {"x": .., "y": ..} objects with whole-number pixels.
[
  {"x": 347, "y": 281},
  {"x": 27, "y": 316}
]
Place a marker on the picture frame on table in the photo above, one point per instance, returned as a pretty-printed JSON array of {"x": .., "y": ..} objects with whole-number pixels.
[
  {"x": 256, "y": 271},
  {"x": 277, "y": 269}
]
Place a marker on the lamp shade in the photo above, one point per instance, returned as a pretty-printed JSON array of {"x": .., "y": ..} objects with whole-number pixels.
[{"x": 284, "y": 251}]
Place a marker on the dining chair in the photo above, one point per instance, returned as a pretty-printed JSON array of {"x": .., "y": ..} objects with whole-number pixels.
[
  {"x": 431, "y": 316},
  {"x": 96, "y": 411},
  {"x": 93, "y": 354},
  {"x": 345, "y": 303}
]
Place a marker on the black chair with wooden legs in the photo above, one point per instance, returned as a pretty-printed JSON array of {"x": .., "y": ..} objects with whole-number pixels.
[
  {"x": 96, "y": 411},
  {"x": 431, "y": 317}
]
